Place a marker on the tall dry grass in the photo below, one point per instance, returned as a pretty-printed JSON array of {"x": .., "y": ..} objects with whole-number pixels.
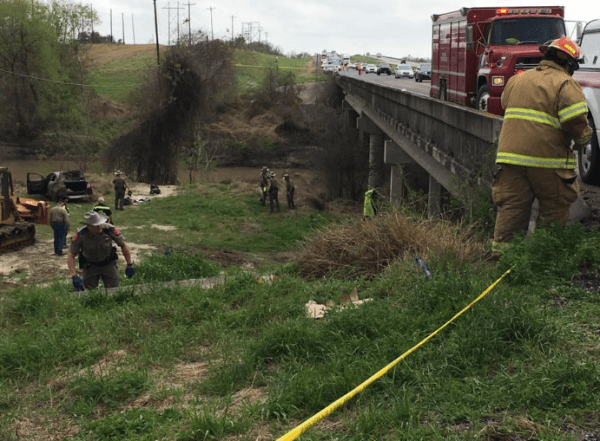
[{"x": 366, "y": 249}]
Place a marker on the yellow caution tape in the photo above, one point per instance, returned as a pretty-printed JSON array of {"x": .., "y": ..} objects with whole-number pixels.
[{"x": 299, "y": 430}]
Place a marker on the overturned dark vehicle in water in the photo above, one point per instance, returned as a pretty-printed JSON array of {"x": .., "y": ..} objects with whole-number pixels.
[{"x": 59, "y": 185}]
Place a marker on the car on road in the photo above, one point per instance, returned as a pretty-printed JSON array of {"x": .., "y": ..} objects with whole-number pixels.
[
  {"x": 404, "y": 71},
  {"x": 423, "y": 73},
  {"x": 384, "y": 68},
  {"x": 351, "y": 65},
  {"x": 370, "y": 68},
  {"x": 331, "y": 68},
  {"x": 58, "y": 185}
]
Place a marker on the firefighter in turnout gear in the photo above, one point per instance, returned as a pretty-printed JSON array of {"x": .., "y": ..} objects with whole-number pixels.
[
  {"x": 545, "y": 110},
  {"x": 101, "y": 207},
  {"x": 264, "y": 184}
]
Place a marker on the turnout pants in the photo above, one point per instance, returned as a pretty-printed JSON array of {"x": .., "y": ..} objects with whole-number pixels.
[{"x": 514, "y": 190}]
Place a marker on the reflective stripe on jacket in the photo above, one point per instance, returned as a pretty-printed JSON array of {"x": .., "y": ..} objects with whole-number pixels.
[{"x": 545, "y": 109}]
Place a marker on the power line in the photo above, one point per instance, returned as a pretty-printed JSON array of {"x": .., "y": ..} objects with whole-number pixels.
[{"x": 68, "y": 83}]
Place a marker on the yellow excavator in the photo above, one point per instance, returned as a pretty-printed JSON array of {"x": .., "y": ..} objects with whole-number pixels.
[{"x": 15, "y": 229}]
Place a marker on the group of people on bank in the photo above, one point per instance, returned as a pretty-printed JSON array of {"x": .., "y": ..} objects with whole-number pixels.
[{"x": 270, "y": 188}]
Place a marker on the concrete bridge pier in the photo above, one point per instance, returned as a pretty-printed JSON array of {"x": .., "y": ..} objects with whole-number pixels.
[
  {"x": 407, "y": 172},
  {"x": 376, "y": 150}
]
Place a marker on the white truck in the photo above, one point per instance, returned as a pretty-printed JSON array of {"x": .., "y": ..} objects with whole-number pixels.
[{"x": 588, "y": 77}]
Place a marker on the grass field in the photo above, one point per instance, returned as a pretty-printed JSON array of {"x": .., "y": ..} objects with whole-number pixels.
[
  {"x": 243, "y": 361},
  {"x": 116, "y": 70}
]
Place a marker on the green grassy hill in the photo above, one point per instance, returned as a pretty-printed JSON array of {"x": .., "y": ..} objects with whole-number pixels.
[{"x": 116, "y": 70}]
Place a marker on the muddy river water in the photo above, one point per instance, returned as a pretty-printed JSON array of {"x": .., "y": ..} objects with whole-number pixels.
[{"x": 20, "y": 167}]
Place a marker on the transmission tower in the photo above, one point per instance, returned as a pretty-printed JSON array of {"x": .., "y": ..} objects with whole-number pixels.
[
  {"x": 189, "y": 20},
  {"x": 173, "y": 30},
  {"x": 251, "y": 31}
]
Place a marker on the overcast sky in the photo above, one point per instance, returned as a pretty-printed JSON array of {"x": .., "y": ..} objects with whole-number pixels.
[{"x": 394, "y": 28}]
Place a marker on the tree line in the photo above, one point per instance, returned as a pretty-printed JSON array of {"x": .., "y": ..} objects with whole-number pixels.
[{"x": 41, "y": 75}]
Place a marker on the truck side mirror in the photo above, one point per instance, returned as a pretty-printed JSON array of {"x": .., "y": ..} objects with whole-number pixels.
[{"x": 470, "y": 43}]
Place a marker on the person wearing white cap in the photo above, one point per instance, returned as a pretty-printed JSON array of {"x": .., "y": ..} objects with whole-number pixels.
[{"x": 97, "y": 255}]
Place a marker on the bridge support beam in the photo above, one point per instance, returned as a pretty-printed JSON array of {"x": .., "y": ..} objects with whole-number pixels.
[
  {"x": 399, "y": 161},
  {"x": 434, "y": 204},
  {"x": 376, "y": 150}
]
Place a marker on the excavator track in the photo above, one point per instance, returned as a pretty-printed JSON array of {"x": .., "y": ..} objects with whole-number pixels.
[{"x": 18, "y": 235}]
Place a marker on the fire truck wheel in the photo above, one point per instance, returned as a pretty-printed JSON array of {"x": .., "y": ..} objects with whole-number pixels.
[
  {"x": 587, "y": 159},
  {"x": 483, "y": 95}
]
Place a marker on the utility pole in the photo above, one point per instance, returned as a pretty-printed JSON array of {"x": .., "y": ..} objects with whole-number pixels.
[
  {"x": 92, "y": 16},
  {"x": 156, "y": 30},
  {"x": 232, "y": 17},
  {"x": 123, "y": 24},
  {"x": 212, "y": 34},
  {"x": 132, "y": 28},
  {"x": 189, "y": 21},
  {"x": 111, "y": 34}
]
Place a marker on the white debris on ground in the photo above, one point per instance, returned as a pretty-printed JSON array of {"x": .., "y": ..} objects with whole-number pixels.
[{"x": 317, "y": 311}]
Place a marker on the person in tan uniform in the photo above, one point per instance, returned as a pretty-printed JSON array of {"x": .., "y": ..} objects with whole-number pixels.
[
  {"x": 120, "y": 187},
  {"x": 97, "y": 255},
  {"x": 58, "y": 219},
  {"x": 545, "y": 110}
]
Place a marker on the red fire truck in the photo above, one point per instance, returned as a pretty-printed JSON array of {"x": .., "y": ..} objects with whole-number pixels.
[{"x": 476, "y": 50}]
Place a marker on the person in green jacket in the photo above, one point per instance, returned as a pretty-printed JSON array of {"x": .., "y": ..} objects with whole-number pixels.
[{"x": 369, "y": 206}]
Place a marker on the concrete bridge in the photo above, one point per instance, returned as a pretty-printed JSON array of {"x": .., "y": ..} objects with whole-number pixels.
[{"x": 414, "y": 134}]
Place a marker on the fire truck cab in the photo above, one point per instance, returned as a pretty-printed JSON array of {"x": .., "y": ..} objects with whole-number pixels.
[{"x": 476, "y": 50}]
